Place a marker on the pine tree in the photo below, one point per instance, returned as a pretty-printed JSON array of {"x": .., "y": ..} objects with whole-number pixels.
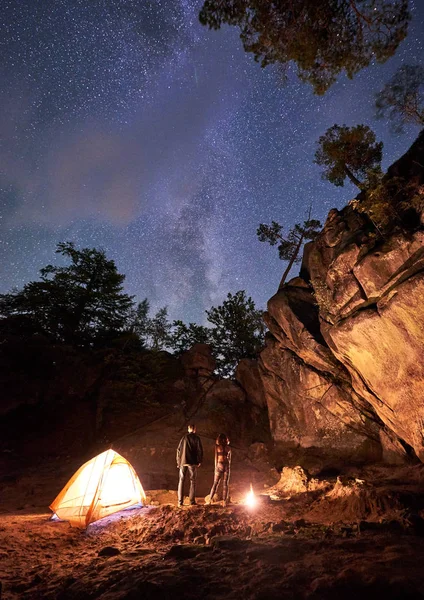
[
  {"x": 289, "y": 247},
  {"x": 238, "y": 331},
  {"x": 139, "y": 322},
  {"x": 322, "y": 38},
  {"x": 401, "y": 99},
  {"x": 80, "y": 303},
  {"x": 158, "y": 330},
  {"x": 183, "y": 336},
  {"x": 350, "y": 152}
]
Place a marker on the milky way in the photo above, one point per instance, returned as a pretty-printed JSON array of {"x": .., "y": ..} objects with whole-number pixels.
[{"x": 127, "y": 125}]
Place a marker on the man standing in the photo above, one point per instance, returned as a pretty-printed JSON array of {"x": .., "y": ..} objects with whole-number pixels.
[{"x": 189, "y": 457}]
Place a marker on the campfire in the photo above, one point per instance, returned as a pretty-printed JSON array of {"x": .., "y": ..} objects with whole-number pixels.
[{"x": 250, "y": 500}]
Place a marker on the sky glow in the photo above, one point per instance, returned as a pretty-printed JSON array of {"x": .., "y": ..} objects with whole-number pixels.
[{"x": 127, "y": 125}]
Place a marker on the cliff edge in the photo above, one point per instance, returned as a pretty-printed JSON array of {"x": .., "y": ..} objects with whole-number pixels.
[{"x": 343, "y": 366}]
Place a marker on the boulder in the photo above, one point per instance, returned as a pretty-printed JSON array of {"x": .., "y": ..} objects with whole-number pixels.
[
  {"x": 222, "y": 408},
  {"x": 198, "y": 361},
  {"x": 293, "y": 481},
  {"x": 258, "y": 452},
  {"x": 353, "y": 500},
  {"x": 396, "y": 259}
]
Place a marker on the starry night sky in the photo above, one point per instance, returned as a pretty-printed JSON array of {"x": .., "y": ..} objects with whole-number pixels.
[{"x": 127, "y": 125}]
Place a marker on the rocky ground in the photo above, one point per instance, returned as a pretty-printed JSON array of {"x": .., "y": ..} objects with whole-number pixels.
[{"x": 323, "y": 538}]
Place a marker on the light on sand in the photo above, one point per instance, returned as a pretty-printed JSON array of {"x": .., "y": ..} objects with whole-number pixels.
[{"x": 250, "y": 500}]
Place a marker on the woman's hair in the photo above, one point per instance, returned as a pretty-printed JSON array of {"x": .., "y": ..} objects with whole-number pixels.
[{"x": 222, "y": 440}]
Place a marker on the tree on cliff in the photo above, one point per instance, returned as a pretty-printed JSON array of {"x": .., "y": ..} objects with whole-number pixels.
[
  {"x": 323, "y": 38},
  {"x": 289, "y": 247},
  {"x": 183, "y": 336},
  {"x": 80, "y": 303},
  {"x": 238, "y": 331},
  {"x": 401, "y": 99},
  {"x": 349, "y": 152}
]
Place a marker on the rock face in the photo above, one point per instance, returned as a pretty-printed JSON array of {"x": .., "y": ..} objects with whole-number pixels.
[
  {"x": 198, "y": 361},
  {"x": 343, "y": 365},
  {"x": 247, "y": 375},
  {"x": 311, "y": 402}
]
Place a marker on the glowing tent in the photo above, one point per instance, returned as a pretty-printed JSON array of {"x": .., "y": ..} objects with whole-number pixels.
[{"x": 102, "y": 486}]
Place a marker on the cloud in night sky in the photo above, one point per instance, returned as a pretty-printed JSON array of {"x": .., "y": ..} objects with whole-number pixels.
[{"x": 128, "y": 126}]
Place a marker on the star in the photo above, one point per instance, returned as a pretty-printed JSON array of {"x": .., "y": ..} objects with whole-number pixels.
[{"x": 130, "y": 127}]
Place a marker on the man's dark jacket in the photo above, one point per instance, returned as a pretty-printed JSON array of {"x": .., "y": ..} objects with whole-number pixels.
[{"x": 190, "y": 451}]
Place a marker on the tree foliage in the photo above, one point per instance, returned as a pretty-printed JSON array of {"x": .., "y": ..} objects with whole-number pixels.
[
  {"x": 322, "y": 38},
  {"x": 83, "y": 304},
  {"x": 238, "y": 331},
  {"x": 139, "y": 321},
  {"x": 183, "y": 336},
  {"x": 378, "y": 204},
  {"x": 154, "y": 333},
  {"x": 80, "y": 303},
  {"x": 289, "y": 247},
  {"x": 395, "y": 202},
  {"x": 159, "y": 330},
  {"x": 349, "y": 152},
  {"x": 401, "y": 99}
]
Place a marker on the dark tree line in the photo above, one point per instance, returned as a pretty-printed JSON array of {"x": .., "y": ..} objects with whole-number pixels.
[
  {"x": 235, "y": 331},
  {"x": 83, "y": 304},
  {"x": 76, "y": 303}
]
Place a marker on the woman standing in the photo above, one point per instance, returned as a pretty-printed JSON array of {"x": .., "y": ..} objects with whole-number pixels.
[{"x": 222, "y": 468}]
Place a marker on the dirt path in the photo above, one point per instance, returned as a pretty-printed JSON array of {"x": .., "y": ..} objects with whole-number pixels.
[
  {"x": 341, "y": 538},
  {"x": 207, "y": 552}
]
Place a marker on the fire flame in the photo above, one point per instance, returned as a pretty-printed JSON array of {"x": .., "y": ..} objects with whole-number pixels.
[{"x": 250, "y": 498}]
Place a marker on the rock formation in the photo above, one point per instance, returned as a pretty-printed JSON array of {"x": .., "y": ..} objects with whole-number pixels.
[
  {"x": 198, "y": 361},
  {"x": 218, "y": 404},
  {"x": 343, "y": 365},
  {"x": 247, "y": 375}
]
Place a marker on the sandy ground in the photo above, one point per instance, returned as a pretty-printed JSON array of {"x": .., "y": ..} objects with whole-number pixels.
[{"x": 337, "y": 539}]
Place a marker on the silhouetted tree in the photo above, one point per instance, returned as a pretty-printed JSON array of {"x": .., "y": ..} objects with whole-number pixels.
[
  {"x": 183, "y": 336},
  {"x": 158, "y": 330},
  {"x": 401, "y": 99},
  {"x": 152, "y": 332},
  {"x": 80, "y": 303},
  {"x": 135, "y": 335},
  {"x": 322, "y": 37},
  {"x": 349, "y": 152},
  {"x": 139, "y": 320},
  {"x": 238, "y": 331},
  {"x": 289, "y": 247}
]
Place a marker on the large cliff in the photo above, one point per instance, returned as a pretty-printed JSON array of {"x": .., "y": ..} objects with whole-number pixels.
[{"x": 343, "y": 365}]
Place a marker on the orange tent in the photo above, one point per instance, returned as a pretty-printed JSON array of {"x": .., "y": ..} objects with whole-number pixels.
[{"x": 102, "y": 486}]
